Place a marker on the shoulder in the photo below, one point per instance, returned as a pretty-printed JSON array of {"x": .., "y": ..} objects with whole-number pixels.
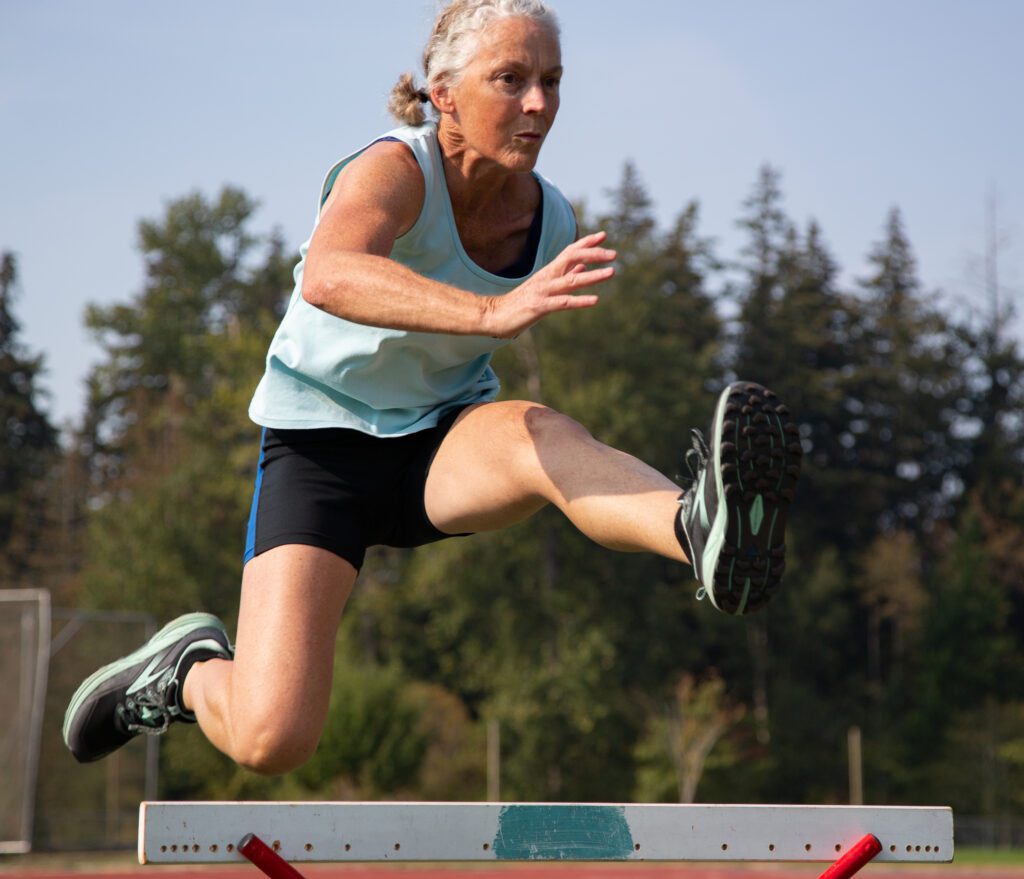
[
  {"x": 389, "y": 163},
  {"x": 407, "y": 151},
  {"x": 385, "y": 174},
  {"x": 389, "y": 159}
]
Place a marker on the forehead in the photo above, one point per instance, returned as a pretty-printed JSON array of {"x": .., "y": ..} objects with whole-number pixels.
[{"x": 518, "y": 39}]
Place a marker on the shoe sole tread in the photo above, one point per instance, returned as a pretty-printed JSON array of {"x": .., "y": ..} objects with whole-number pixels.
[{"x": 760, "y": 458}]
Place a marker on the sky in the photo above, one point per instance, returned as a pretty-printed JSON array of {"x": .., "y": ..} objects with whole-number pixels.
[{"x": 113, "y": 108}]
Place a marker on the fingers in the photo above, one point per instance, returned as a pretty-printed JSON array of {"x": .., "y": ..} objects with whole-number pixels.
[
  {"x": 593, "y": 239},
  {"x": 579, "y": 276},
  {"x": 574, "y": 267},
  {"x": 582, "y": 300},
  {"x": 589, "y": 255}
]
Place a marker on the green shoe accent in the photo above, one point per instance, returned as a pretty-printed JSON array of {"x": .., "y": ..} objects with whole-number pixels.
[
  {"x": 756, "y": 514},
  {"x": 746, "y": 595},
  {"x": 705, "y": 521}
]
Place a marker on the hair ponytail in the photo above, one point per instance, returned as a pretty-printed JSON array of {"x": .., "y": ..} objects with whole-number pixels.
[{"x": 406, "y": 101}]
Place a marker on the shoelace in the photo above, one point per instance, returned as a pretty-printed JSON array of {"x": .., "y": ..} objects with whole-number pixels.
[
  {"x": 696, "y": 460},
  {"x": 146, "y": 711},
  {"x": 699, "y": 452}
]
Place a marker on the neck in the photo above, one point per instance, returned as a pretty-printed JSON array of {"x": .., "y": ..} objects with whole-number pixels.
[{"x": 473, "y": 180}]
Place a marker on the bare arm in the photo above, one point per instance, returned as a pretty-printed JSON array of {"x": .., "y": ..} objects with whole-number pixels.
[{"x": 376, "y": 199}]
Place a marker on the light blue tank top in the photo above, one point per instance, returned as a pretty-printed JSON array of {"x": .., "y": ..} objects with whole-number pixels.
[{"x": 324, "y": 371}]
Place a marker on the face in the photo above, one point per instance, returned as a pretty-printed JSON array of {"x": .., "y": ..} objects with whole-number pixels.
[{"x": 506, "y": 102}]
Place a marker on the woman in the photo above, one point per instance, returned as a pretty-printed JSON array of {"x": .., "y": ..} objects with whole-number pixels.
[{"x": 433, "y": 246}]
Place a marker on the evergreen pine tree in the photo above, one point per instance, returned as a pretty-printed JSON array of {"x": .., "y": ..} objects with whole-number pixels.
[
  {"x": 172, "y": 450},
  {"x": 909, "y": 380},
  {"x": 29, "y": 447},
  {"x": 757, "y": 353}
]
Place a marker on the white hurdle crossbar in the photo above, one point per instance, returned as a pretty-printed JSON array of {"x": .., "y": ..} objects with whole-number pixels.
[{"x": 211, "y": 832}]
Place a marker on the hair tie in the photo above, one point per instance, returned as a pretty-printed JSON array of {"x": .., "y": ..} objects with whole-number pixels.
[{"x": 422, "y": 95}]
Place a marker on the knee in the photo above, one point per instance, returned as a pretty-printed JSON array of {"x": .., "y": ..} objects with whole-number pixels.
[
  {"x": 539, "y": 425},
  {"x": 274, "y": 748}
]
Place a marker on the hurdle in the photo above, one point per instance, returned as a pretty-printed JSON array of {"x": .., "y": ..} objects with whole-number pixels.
[{"x": 274, "y": 835}]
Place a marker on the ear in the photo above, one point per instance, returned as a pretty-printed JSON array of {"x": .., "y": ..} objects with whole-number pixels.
[{"x": 442, "y": 97}]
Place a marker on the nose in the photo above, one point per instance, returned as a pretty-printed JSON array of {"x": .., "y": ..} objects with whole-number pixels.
[{"x": 535, "y": 100}]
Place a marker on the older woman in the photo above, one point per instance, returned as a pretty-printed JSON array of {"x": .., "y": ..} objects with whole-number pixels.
[{"x": 433, "y": 246}]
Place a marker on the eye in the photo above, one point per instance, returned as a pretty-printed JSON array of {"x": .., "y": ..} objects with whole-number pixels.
[
  {"x": 553, "y": 82},
  {"x": 509, "y": 79}
]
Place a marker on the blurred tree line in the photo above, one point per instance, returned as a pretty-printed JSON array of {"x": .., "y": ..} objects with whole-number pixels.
[{"x": 903, "y": 611}]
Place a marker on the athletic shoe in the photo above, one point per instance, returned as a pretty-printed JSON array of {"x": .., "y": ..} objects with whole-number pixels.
[
  {"x": 142, "y": 692},
  {"x": 733, "y": 516}
]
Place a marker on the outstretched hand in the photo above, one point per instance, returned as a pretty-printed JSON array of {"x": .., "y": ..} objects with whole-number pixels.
[{"x": 553, "y": 288}]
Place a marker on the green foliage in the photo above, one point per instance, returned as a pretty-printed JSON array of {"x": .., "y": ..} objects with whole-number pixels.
[
  {"x": 681, "y": 734},
  {"x": 371, "y": 744},
  {"x": 982, "y": 759}
]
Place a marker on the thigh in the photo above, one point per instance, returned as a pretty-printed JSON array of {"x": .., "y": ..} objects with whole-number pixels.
[
  {"x": 312, "y": 488},
  {"x": 494, "y": 467},
  {"x": 292, "y": 599}
]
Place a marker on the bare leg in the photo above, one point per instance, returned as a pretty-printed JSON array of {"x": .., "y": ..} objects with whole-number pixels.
[
  {"x": 501, "y": 462},
  {"x": 266, "y": 709}
]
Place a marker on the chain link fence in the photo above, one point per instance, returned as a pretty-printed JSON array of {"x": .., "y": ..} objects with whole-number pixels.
[
  {"x": 24, "y": 656},
  {"x": 984, "y": 832},
  {"x": 95, "y": 805}
]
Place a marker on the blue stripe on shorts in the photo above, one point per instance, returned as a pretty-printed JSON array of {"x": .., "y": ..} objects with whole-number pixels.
[{"x": 250, "y": 537}]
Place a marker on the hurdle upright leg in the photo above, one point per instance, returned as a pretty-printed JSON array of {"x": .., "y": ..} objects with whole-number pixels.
[
  {"x": 858, "y": 856},
  {"x": 266, "y": 859}
]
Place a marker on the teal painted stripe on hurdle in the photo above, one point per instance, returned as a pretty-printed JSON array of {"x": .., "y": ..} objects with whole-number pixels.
[
  {"x": 338, "y": 832},
  {"x": 564, "y": 833}
]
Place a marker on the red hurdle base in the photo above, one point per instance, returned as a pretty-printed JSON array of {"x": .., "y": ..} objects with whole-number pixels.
[
  {"x": 276, "y": 867},
  {"x": 858, "y": 855},
  {"x": 264, "y": 857}
]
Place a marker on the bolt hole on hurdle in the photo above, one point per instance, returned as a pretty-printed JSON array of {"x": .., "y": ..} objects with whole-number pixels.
[{"x": 273, "y": 836}]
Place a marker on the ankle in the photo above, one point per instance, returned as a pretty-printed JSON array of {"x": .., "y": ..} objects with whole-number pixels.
[{"x": 189, "y": 682}]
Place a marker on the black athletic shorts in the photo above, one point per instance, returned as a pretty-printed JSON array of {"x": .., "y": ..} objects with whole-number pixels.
[{"x": 343, "y": 490}]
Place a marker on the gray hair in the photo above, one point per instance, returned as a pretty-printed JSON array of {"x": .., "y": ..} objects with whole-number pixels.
[{"x": 453, "y": 43}]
